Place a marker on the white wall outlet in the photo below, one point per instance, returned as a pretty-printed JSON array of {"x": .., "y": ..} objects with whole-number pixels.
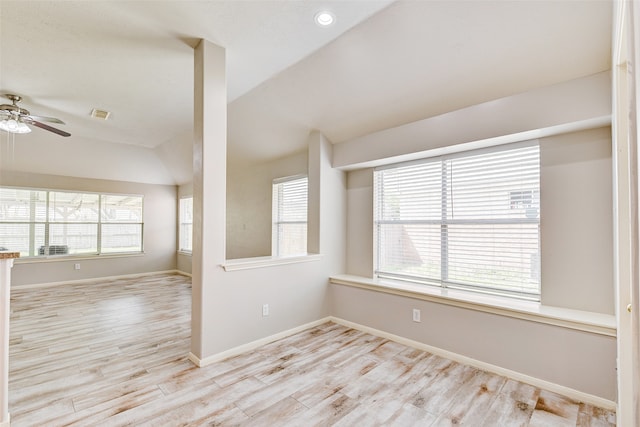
[
  {"x": 416, "y": 315},
  {"x": 265, "y": 309},
  {"x": 76, "y": 266}
]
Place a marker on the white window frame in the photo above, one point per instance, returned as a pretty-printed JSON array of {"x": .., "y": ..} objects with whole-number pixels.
[
  {"x": 185, "y": 220},
  {"x": 279, "y": 220},
  {"x": 444, "y": 222},
  {"x": 43, "y": 249}
]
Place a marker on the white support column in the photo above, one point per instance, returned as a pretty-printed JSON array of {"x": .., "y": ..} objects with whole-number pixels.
[
  {"x": 6, "y": 263},
  {"x": 209, "y": 188},
  {"x": 626, "y": 81}
]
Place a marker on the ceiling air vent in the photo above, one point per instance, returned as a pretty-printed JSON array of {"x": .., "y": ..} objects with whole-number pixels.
[{"x": 100, "y": 114}]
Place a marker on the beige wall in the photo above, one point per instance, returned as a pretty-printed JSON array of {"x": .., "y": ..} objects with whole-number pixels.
[
  {"x": 159, "y": 232},
  {"x": 249, "y": 204},
  {"x": 575, "y": 359},
  {"x": 577, "y": 273},
  {"x": 580, "y": 360},
  {"x": 576, "y": 221},
  {"x": 569, "y": 106},
  {"x": 231, "y": 301},
  {"x": 339, "y": 207},
  {"x": 360, "y": 222}
]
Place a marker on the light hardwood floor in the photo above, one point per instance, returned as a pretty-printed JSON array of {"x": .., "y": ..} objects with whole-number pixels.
[{"x": 114, "y": 353}]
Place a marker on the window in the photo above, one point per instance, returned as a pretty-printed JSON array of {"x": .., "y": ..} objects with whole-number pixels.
[
  {"x": 186, "y": 224},
  {"x": 41, "y": 222},
  {"x": 467, "y": 221},
  {"x": 289, "y": 230}
]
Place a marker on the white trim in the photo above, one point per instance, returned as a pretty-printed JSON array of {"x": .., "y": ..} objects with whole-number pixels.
[
  {"x": 560, "y": 129},
  {"x": 448, "y": 153},
  {"x": 552, "y": 108},
  {"x": 77, "y": 257},
  {"x": 91, "y": 279},
  {"x": 5, "y": 313},
  {"x": 183, "y": 273},
  {"x": 289, "y": 178},
  {"x": 536, "y": 382},
  {"x": 7, "y": 421},
  {"x": 254, "y": 344},
  {"x": 268, "y": 261},
  {"x": 195, "y": 360},
  {"x": 596, "y": 323}
]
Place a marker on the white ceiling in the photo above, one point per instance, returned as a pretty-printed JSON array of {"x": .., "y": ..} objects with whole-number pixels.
[{"x": 382, "y": 64}]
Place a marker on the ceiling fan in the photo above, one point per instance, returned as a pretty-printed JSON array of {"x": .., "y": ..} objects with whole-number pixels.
[{"x": 14, "y": 119}]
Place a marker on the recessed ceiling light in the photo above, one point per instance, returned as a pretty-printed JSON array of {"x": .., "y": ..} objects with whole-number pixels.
[{"x": 325, "y": 18}]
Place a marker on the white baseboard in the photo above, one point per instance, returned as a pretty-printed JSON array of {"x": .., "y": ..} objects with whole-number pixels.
[
  {"x": 90, "y": 279},
  {"x": 536, "y": 382},
  {"x": 183, "y": 273},
  {"x": 254, "y": 344}
]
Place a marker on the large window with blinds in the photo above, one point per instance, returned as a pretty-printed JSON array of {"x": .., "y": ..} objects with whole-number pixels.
[
  {"x": 466, "y": 221},
  {"x": 289, "y": 216},
  {"x": 46, "y": 222}
]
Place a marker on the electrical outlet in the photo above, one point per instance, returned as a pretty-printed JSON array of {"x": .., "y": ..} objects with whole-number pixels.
[
  {"x": 265, "y": 310},
  {"x": 416, "y": 315},
  {"x": 77, "y": 266}
]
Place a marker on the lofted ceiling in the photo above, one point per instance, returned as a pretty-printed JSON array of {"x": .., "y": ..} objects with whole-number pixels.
[{"x": 382, "y": 64}]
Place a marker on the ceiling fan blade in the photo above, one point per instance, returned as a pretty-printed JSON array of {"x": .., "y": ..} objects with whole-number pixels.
[
  {"x": 47, "y": 119},
  {"x": 49, "y": 128}
]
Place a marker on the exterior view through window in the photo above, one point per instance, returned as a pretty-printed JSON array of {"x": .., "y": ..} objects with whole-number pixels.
[
  {"x": 466, "y": 221},
  {"x": 186, "y": 224},
  {"x": 289, "y": 216},
  {"x": 46, "y": 222}
]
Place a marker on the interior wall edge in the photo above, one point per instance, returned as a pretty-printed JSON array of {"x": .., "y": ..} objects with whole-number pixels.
[{"x": 235, "y": 351}]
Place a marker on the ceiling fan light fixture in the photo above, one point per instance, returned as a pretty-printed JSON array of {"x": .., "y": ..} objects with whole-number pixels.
[
  {"x": 14, "y": 119},
  {"x": 13, "y": 126},
  {"x": 23, "y": 128}
]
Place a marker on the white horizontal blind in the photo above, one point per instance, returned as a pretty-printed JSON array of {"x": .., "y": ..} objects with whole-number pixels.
[
  {"x": 40, "y": 222},
  {"x": 72, "y": 224},
  {"x": 465, "y": 221},
  {"x": 186, "y": 224},
  {"x": 120, "y": 223},
  {"x": 290, "y": 217}
]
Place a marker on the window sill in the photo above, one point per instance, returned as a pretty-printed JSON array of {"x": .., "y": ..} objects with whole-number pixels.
[
  {"x": 185, "y": 253},
  {"x": 597, "y": 323},
  {"x": 79, "y": 257},
  {"x": 267, "y": 261}
]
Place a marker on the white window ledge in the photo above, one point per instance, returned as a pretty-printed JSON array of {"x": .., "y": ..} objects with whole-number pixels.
[
  {"x": 597, "y": 323},
  {"x": 75, "y": 257},
  {"x": 267, "y": 261}
]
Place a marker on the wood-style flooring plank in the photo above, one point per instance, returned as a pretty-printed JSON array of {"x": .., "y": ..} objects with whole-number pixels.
[{"x": 114, "y": 353}]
